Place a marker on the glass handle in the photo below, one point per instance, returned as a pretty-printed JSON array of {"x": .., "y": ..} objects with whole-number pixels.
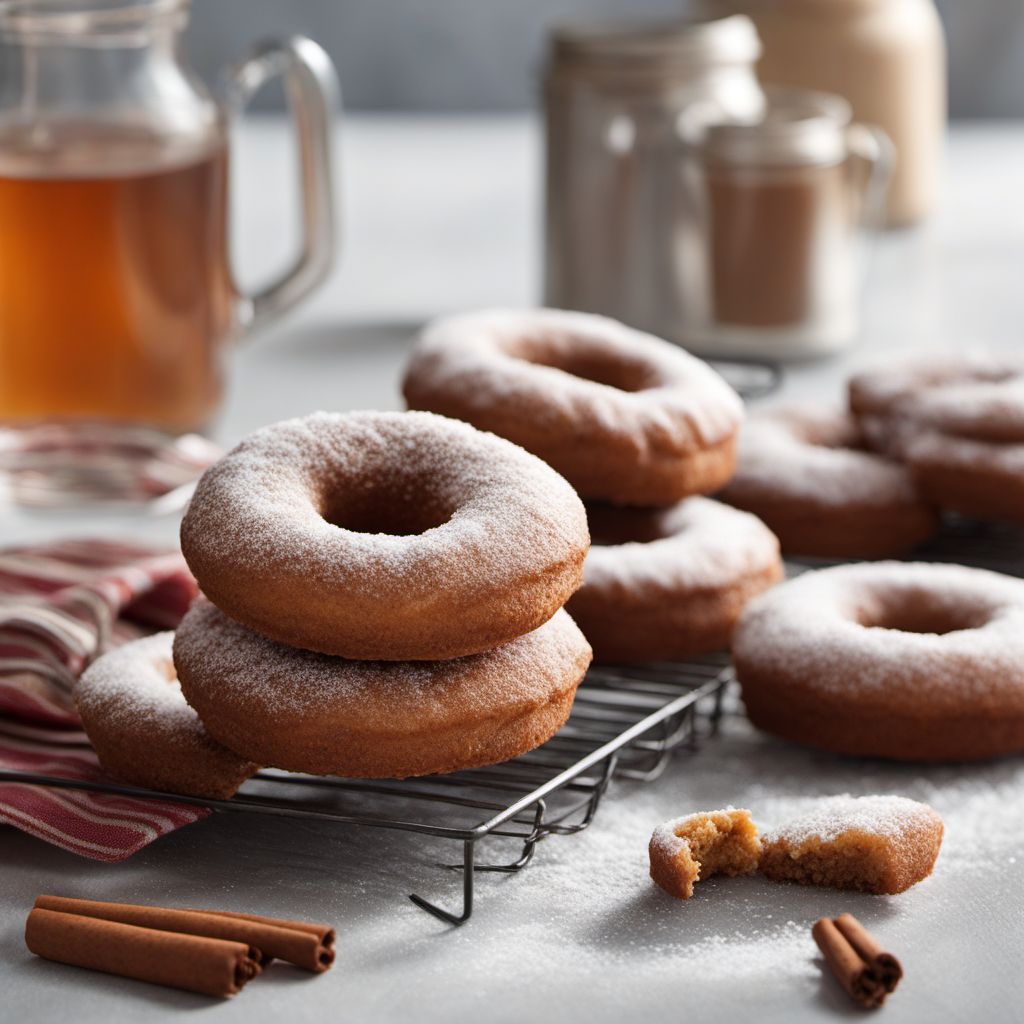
[
  {"x": 314, "y": 98},
  {"x": 873, "y": 148}
]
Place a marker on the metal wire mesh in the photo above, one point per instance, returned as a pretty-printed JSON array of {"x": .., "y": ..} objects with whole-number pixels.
[{"x": 625, "y": 723}]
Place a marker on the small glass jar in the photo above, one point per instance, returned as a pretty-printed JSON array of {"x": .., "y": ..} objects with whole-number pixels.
[
  {"x": 777, "y": 243},
  {"x": 621, "y": 102},
  {"x": 887, "y": 58}
]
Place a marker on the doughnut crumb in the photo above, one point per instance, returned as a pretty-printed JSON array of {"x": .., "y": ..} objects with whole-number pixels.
[{"x": 689, "y": 849}]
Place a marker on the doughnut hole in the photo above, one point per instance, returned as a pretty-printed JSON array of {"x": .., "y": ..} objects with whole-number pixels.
[
  {"x": 921, "y": 611},
  {"x": 615, "y": 524},
  {"x": 717, "y": 843},
  {"x": 572, "y": 355},
  {"x": 400, "y": 507}
]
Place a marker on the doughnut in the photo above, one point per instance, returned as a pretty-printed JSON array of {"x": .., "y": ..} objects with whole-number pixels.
[
  {"x": 971, "y": 395},
  {"x": 979, "y": 479},
  {"x": 803, "y": 470},
  {"x": 665, "y": 584},
  {"x": 697, "y": 846},
  {"x": 909, "y": 661},
  {"x": 310, "y": 712},
  {"x": 876, "y": 844},
  {"x": 143, "y": 731},
  {"x": 625, "y": 417},
  {"x": 958, "y": 424},
  {"x": 385, "y": 535}
]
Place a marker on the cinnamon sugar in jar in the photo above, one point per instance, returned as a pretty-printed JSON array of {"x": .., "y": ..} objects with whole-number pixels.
[{"x": 782, "y": 202}]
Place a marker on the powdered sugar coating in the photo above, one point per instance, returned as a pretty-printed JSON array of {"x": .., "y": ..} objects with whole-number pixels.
[
  {"x": 134, "y": 686},
  {"x": 932, "y": 447},
  {"x": 896, "y": 818},
  {"x": 494, "y": 357},
  {"x": 971, "y": 395},
  {"x": 144, "y": 732},
  {"x": 480, "y": 523},
  {"x": 704, "y": 544},
  {"x": 815, "y": 633},
  {"x": 813, "y": 454},
  {"x": 666, "y": 840},
  {"x": 225, "y": 663}
]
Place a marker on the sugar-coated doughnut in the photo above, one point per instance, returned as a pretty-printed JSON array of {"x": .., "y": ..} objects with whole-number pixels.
[
  {"x": 910, "y": 661},
  {"x": 876, "y": 844},
  {"x": 665, "y": 584},
  {"x": 971, "y": 395},
  {"x": 381, "y": 535},
  {"x": 143, "y": 731},
  {"x": 804, "y": 470},
  {"x": 625, "y": 417},
  {"x": 309, "y": 712},
  {"x": 957, "y": 421},
  {"x": 697, "y": 846}
]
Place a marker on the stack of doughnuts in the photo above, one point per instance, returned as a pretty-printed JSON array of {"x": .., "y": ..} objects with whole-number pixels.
[
  {"x": 928, "y": 433},
  {"x": 642, "y": 430},
  {"x": 957, "y": 423},
  {"x": 383, "y": 598}
]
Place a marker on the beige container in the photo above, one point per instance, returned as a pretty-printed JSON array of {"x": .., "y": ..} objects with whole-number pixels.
[{"x": 887, "y": 58}]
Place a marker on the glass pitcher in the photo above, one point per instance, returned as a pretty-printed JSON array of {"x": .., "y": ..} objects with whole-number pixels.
[{"x": 116, "y": 290}]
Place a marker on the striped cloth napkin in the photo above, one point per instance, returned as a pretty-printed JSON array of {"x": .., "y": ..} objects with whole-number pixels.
[{"x": 62, "y": 604}]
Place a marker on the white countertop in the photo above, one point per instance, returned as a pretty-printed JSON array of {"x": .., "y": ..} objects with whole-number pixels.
[{"x": 443, "y": 215}]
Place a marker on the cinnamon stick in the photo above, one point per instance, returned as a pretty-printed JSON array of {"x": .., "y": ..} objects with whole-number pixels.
[
  {"x": 886, "y": 967},
  {"x": 324, "y": 933},
  {"x": 309, "y": 946},
  {"x": 213, "y": 967},
  {"x": 853, "y": 973}
]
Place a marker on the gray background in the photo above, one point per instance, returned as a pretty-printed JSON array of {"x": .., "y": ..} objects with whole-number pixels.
[{"x": 480, "y": 55}]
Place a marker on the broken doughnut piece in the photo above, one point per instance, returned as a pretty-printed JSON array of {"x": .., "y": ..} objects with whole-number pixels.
[
  {"x": 876, "y": 844},
  {"x": 689, "y": 849}
]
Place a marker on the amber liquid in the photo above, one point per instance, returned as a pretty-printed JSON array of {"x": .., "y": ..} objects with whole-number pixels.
[{"x": 115, "y": 293}]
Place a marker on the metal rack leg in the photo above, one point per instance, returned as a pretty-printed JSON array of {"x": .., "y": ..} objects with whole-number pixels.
[{"x": 468, "y": 857}]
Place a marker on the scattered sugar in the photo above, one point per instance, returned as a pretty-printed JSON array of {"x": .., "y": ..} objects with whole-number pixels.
[
  {"x": 484, "y": 358},
  {"x": 703, "y": 544},
  {"x": 809, "y": 628},
  {"x": 813, "y": 454}
]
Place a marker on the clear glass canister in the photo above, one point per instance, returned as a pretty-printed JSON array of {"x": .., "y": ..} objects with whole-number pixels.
[
  {"x": 621, "y": 101},
  {"x": 777, "y": 246}
]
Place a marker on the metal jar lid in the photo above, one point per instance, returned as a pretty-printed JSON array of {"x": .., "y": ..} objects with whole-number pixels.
[
  {"x": 798, "y": 128},
  {"x": 632, "y": 47}
]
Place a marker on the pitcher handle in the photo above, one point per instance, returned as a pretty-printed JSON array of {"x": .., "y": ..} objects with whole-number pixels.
[
  {"x": 314, "y": 98},
  {"x": 874, "y": 148}
]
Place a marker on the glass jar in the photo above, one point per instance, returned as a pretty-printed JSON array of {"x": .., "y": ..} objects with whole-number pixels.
[
  {"x": 116, "y": 291},
  {"x": 778, "y": 238},
  {"x": 621, "y": 101},
  {"x": 887, "y": 58}
]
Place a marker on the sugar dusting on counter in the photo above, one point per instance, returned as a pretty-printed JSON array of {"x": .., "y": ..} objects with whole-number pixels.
[{"x": 592, "y": 892}]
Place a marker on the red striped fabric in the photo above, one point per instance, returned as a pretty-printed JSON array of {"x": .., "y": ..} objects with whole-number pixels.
[{"x": 61, "y": 605}]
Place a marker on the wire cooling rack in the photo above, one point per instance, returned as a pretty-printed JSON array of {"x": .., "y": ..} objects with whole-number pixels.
[{"x": 625, "y": 723}]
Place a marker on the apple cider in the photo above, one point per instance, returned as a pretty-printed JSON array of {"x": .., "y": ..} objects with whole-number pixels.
[{"x": 115, "y": 291}]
